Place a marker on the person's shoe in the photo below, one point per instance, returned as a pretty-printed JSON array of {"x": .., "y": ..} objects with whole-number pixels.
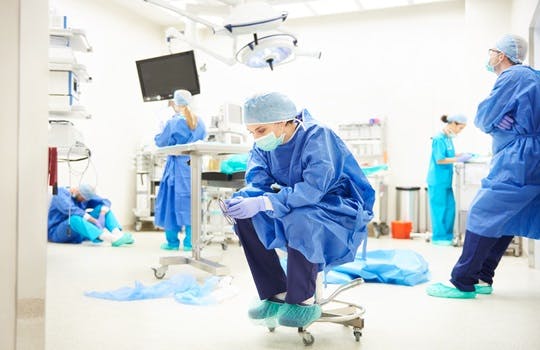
[
  {"x": 442, "y": 242},
  {"x": 167, "y": 246},
  {"x": 440, "y": 290},
  {"x": 122, "y": 240},
  {"x": 187, "y": 248},
  {"x": 295, "y": 315},
  {"x": 264, "y": 309},
  {"x": 130, "y": 240},
  {"x": 483, "y": 289}
]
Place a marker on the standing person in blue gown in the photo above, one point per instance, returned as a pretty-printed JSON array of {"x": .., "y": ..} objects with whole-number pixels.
[
  {"x": 508, "y": 203},
  {"x": 442, "y": 204},
  {"x": 173, "y": 202},
  {"x": 78, "y": 214},
  {"x": 306, "y": 194}
]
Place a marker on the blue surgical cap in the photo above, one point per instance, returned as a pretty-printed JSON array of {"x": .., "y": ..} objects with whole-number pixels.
[
  {"x": 87, "y": 191},
  {"x": 268, "y": 108},
  {"x": 457, "y": 118},
  {"x": 182, "y": 97},
  {"x": 514, "y": 47}
]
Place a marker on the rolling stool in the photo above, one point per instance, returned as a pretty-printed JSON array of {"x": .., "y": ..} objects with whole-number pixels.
[{"x": 335, "y": 311}]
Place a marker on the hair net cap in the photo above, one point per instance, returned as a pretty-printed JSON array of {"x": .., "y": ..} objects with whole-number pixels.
[
  {"x": 268, "y": 108},
  {"x": 87, "y": 191},
  {"x": 513, "y": 46},
  {"x": 457, "y": 118},
  {"x": 182, "y": 97}
]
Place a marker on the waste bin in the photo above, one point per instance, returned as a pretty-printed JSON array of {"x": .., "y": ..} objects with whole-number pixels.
[{"x": 408, "y": 205}]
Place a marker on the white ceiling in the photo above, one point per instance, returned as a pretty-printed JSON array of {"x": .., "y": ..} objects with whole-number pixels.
[{"x": 216, "y": 10}]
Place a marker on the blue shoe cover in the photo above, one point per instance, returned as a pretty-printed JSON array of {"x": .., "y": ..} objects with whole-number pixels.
[
  {"x": 264, "y": 309},
  {"x": 440, "y": 290},
  {"x": 294, "y": 315},
  {"x": 442, "y": 242},
  {"x": 126, "y": 237},
  {"x": 483, "y": 289},
  {"x": 167, "y": 246},
  {"x": 187, "y": 248},
  {"x": 130, "y": 240}
]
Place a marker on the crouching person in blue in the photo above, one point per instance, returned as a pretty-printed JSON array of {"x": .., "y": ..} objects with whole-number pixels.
[
  {"x": 77, "y": 214},
  {"x": 319, "y": 215}
]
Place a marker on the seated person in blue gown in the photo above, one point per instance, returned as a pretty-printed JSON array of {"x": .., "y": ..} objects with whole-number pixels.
[
  {"x": 319, "y": 215},
  {"x": 78, "y": 214}
]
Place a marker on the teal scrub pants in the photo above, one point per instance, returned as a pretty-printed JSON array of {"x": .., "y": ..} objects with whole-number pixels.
[
  {"x": 90, "y": 231},
  {"x": 443, "y": 212},
  {"x": 172, "y": 237}
]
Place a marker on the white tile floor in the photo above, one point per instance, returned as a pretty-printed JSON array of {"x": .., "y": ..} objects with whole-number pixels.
[{"x": 397, "y": 317}]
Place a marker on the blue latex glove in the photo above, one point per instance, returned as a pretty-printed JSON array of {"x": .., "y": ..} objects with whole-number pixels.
[
  {"x": 463, "y": 158},
  {"x": 243, "y": 208},
  {"x": 506, "y": 123}
]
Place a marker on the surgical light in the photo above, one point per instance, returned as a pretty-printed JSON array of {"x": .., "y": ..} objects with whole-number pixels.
[{"x": 267, "y": 51}]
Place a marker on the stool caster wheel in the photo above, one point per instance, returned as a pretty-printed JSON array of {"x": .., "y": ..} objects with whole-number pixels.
[
  {"x": 308, "y": 339},
  {"x": 357, "y": 334},
  {"x": 159, "y": 272}
]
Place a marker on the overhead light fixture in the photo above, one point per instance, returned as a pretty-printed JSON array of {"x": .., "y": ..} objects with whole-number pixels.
[
  {"x": 268, "y": 51},
  {"x": 270, "y": 45}
]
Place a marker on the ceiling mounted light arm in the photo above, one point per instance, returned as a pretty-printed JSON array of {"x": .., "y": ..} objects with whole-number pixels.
[
  {"x": 235, "y": 28},
  {"x": 163, "y": 4},
  {"x": 173, "y": 33}
]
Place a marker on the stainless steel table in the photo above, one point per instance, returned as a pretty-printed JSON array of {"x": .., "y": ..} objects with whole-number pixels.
[{"x": 196, "y": 151}]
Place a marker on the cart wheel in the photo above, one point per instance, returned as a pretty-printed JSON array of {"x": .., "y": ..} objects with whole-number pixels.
[
  {"x": 159, "y": 272},
  {"x": 376, "y": 230},
  {"x": 307, "y": 338},
  {"x": 224, "y": 246},
  {"x": 357, "y": 334},
  {"x": 138, "y": 226},
  {"x": 271, "y": 329}
]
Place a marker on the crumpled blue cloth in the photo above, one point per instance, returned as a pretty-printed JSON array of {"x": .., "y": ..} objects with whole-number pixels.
[
  {"x": 394, "y": 266},
  {"x": 184, "y": 289}
]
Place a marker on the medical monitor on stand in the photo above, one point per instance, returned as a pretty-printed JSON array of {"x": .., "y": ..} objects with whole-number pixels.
[
  {"x": 227, "y": 127},
  {"x": 160, "y": 76}
]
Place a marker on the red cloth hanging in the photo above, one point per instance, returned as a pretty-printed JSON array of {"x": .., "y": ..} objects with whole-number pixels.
[{"x": 53, "y": 169}]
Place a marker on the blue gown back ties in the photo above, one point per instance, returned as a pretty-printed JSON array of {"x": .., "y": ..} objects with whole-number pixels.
[
  {"x": 508, "y": 202},
  {"x": 173, "y": 209},
  {"x": 325, "y": 201}
]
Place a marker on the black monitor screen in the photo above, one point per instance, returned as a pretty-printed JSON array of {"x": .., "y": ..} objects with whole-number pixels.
[{"x": 161, "y": 76}]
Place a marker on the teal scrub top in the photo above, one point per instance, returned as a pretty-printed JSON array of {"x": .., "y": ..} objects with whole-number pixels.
[{"x": 441, "y": 174}]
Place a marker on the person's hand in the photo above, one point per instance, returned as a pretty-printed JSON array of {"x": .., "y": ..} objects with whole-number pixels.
[
  {"x": 104, "y": 210},
  {"x": 243, "y": 208},
  {"x": 462, "y": 158},
  {"x": 506, "y": 123}
]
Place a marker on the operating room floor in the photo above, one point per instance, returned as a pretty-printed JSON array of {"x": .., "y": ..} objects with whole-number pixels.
[{"x": 397, "y": 317}]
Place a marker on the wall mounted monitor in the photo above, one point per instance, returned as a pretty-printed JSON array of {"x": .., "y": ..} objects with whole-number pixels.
[{"x": 160, "y": 76}]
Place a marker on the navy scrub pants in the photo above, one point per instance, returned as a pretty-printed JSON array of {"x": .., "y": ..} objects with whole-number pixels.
[
  {"x": 478, "y": 260},
  {"x": 268, "y": 275}
]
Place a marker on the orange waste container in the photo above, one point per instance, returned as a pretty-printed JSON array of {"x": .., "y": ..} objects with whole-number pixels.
[{"x": 401, "y": 229}]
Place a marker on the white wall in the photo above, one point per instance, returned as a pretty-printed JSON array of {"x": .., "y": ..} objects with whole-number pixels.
[
  {"x": 119, "y": 116},
  {"x": 23, "y": 139}
]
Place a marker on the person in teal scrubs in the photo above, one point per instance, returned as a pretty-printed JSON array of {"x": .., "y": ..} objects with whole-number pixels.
[{"x": 441, "y": 167}]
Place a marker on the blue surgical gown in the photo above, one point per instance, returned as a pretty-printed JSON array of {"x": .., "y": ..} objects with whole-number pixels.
[
  {"x": 62, "y": 206},
  {"x": 508, "y": 202},
  {"x": 325, "y": 200},
  {"x": 173, "y": 209}
]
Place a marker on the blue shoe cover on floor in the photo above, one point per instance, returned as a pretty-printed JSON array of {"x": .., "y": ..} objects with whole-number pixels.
[
  {"x": 483, "y": 289},
  {"x": 440, "y": 290},
  {"x": 167, "y": 246},
  {"x": 130, "y": 240},
  {"x": 294, "y": 315},
  {"x": 122, "y": 240},
  {"x": 264, "y": 309}
]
